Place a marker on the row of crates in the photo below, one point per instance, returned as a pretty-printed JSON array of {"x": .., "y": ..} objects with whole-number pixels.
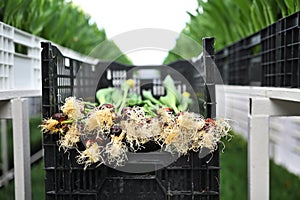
[
  {"x": 270, "y": 57},
  {"x": 20, "y": 61}
]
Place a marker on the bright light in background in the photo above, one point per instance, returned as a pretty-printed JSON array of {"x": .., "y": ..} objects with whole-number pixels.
[
  {"x": 119, "y": 16},
  {"x": 147, "y": 57}
]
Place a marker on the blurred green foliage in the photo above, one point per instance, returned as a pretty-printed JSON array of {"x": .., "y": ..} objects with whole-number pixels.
[
  {"x": 35, "y": 138},
  {"x": 61, "y": 22},
  {"x": 234, "y": 178},
  {"x": 228, "y": 21}
]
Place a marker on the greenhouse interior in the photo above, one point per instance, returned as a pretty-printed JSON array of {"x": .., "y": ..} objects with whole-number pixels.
[{"x": 169, "y": 100}]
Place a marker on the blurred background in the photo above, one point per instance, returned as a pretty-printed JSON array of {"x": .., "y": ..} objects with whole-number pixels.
[{"x": 80, "y": 26}]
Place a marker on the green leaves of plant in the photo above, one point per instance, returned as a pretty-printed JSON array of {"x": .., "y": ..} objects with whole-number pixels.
[{"x": 121, "y": 98}]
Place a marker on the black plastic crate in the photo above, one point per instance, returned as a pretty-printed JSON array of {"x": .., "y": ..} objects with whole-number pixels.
[
  {"x": 269, "y": 57},
  {"x": 239, "y": 63},
  {"x": 281, "y": 53},
  {"x": 188, "y": 178}
]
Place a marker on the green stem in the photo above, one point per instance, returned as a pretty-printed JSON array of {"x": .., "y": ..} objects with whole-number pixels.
[
  {"x": 87, "y": 110},
  {"x": 174, "y": 107},
  {"x": 126, "y": 88},
  {"x": 151, "y": 113},
  {"x": 70, "y": 121},
  {"x": 90, "y": 104}
]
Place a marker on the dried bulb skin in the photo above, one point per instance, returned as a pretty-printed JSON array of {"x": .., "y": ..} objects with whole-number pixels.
[
  {"x": 116, "y": 130},
  {"x": 59, "y": 117},
  {"x": 107, "y": 105}
]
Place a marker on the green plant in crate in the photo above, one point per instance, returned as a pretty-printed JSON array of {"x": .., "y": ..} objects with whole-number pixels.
[{"x": 122, "y": 98}]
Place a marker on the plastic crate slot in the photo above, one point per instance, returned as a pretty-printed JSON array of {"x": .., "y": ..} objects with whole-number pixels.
[
  {"x": 67, "y": 62},
  {"x": 20, "y": 48},
  {"x": 292, "y": 21}
]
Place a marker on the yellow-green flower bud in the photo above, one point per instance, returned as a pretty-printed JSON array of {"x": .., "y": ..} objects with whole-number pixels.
[
  {"x": 186, "y": 94},
  {"x": 130, "y": 83}
]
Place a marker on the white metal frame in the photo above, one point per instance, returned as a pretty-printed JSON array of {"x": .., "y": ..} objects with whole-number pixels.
[
  {"x": 14, "y": 105},
  {"x": 264, "y": 103}
]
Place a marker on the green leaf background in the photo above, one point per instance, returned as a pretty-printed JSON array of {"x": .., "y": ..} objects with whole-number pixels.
[{"x": 228, "y": 21}]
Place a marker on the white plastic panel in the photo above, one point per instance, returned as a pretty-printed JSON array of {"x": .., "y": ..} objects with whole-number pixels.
[
  {"x": 286, "y": 147},
  {"x": 6, "y": 57},
  {"x": 21, "y": 70},
  {"x": 234, "y": 107}
]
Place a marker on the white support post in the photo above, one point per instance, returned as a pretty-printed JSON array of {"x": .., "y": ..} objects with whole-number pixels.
[
  {"x": 258, "y": 149},
  {"x": 4, "y": 153},
  {"x": 21, "y": 143}
]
